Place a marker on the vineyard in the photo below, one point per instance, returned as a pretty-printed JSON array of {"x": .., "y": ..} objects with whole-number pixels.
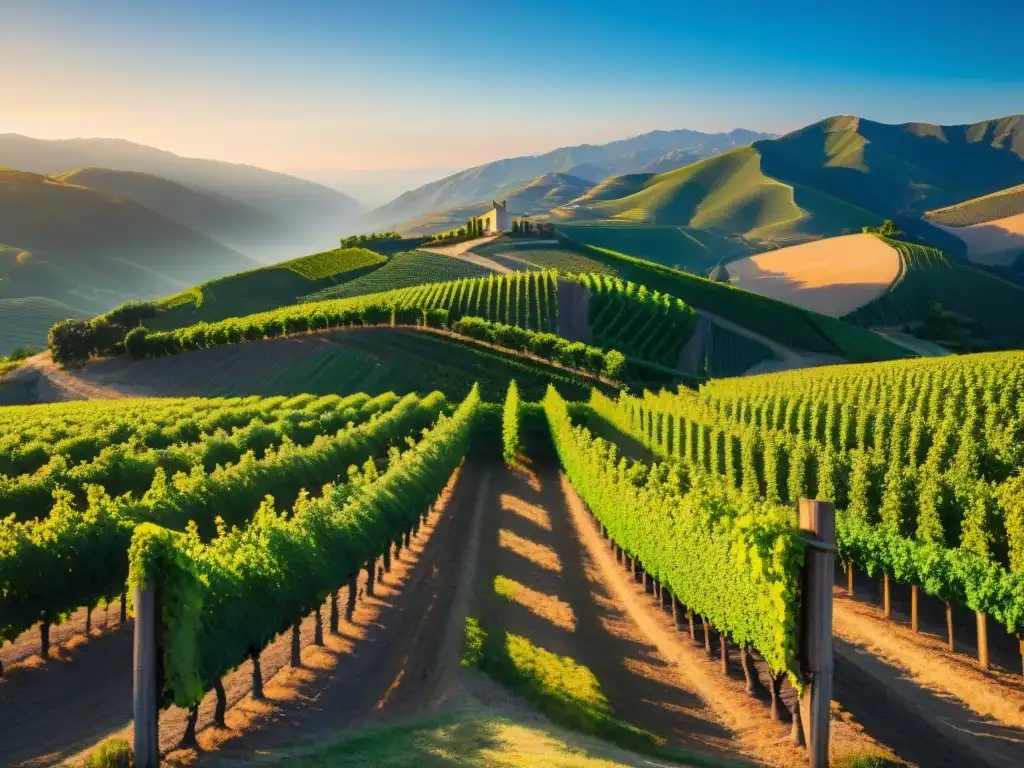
[
  {"x": 262, "y": 289},
  {"x": 199, "y": 509},
  {"x": 402, "y": 271},
  {"x": 683, "y": 248},
  {"x": 658, "y": 326},
  {"x": 998, "y": 205},
  {"x": 104, "y": 481},
  {"x": 24, "y": 322},
  {"x": 795, "y": 328},
  {"x": 922, "y": 459}
]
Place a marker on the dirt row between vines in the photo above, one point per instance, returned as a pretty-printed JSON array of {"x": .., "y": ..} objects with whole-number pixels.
[
  {"x": 392, "y": 659},
  {"x": 877, "y": 707}
]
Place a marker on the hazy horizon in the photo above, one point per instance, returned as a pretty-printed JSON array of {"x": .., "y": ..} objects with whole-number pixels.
[{"x": 334, "y": 90}]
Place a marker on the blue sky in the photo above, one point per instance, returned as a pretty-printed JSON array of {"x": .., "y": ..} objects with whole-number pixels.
[{"x": 323, "y": 88}]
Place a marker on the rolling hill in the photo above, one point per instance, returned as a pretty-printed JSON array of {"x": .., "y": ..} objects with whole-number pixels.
[
  {"x": 265, "y": 288},
  {"x": 25, "y": 322},
  {"x": 827, "y": 179},
  {"x": 237, "y": 225},
  {"x": 536, "y": 197},
  {"x": 91, "y": 250},
  {"x": 991, "y": 228},
  {"x": 317, "y": 212},
  {"x": 998, "y": 205},
  {"x": 899, "y": 171},
  {"x": 591, "y": 162},
  {"x": 729, "y": 194},
  {"x": 987, "y": 309}
]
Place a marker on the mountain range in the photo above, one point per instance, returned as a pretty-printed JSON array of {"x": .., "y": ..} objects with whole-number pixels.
[
  {"x": 829, "y": 178},
  {"x": 299, "y": 215},
  {"x": 657, "y": 150}
]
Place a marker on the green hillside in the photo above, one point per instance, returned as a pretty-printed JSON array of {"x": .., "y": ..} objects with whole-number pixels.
[
  {"x": 402, "y": 271},
  {"x": 978, "y": 210},
  {"x": 614, "y": 188},
  {"x": 928, "y": 277},
  {"x": 827, "y": 179},
  {"x": 25, "y": 322},
  {"x": 228, "y": 221},
  {"x": 731, "y": 194},
  {"x": 684, "y": 248},
  {"x": 261, "y": 289},
  {"x": 535, "y": 198},
  {"x": 92, "y": 250},
  {"x": 900, "y": 171}
]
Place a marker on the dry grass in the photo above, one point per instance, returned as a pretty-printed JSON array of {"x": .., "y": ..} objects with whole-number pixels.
[{"x": 833, "y": 276}]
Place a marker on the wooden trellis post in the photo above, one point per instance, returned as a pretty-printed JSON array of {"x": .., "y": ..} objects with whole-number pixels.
[
  {"x": 818, "y": 521},
  {"x": 145, "y": 693}
]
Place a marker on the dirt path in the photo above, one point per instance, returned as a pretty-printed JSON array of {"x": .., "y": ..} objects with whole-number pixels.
[
  {"x": 556, "y": 597},
  {"x": 573, "y": 311},
  {"x": 694, "y": 351},
  {"x": 40, "y": 380},
  {"x": 463, "y": 251}
]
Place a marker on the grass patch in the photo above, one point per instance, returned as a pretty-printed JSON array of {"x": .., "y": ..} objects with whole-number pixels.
[
  {"x": 566, "y": 692},
  {"x": 470, "y": 740},
  {"x": 260, "y": 290}
]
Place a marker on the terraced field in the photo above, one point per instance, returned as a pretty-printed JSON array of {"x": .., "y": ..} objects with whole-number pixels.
[
  {"x": 25, "y": 322},
  {"x": 978, "y": 210},
  {"x": 266, "y": 288},
  {"x": 403, "y": 270},
  {"x": 372, "y": 360}
]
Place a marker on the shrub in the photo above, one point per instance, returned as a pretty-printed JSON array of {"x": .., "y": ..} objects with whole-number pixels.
[
  {"x": 436, "y": 318},
  {"x": 273, "y": 328},
  {"x": 594, "y": 360},
  {"x": 71, "y": 341},
  {"x": 132, "y": 313},
  {"x": 135, "y": 343},
  {"x": 217, "y": 336},
  {"x": 296, "y": 324},
  {"x": 253, "y": 332},
  {"x": 408, "y": 316},
  {"x": 375, "y": 314},
  {"x": 318, "y": 320},
  {"x": 544, "y": 345},
  {"x": 614, "y": 365},
  {"x": 475, "y": 328}
]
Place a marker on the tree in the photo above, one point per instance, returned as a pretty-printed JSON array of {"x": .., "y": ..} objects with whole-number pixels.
[
  {"x": 71, "y": 341},
  {"x": 886, "y": 229}
]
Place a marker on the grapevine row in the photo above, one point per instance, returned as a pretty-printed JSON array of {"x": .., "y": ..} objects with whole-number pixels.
[
  {"x": 76, "y": 556},
  {"x": 223, "y": 601}
]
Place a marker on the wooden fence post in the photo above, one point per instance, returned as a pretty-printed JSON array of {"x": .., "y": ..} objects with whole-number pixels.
[
  {"x": 145, "y": 695},
  {"x": 818, "y": 520}
]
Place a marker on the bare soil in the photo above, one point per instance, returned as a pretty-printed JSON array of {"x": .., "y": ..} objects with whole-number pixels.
[
  {"x": 833, "y": 276},
  {"x": 573, "y": 311},
  {"x": 996, "y": 695},
  {"x": 395, "y": 657},
  {"x": 561, "y": 603},
  {"x": 997, "y": 242}
]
